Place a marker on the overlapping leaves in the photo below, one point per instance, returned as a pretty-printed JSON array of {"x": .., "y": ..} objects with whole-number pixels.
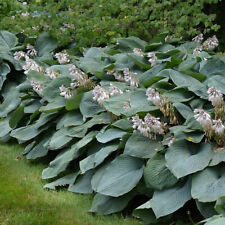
[{"x": 93, "y": 145}]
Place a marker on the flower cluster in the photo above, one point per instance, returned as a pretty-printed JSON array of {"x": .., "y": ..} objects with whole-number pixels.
[
  {"x": 154, "y": 97},
  {"x": 118, "y": 76},
  {"x": 204, "y": 119},
  {"x": 168, "y": 38},
  {"x": 101, "y": 94},
  {"x": 113, "y": 90},
  {"x": 65, "y": 92},
  {"x": 18, "y": 55},
  {"x": 37, "y": 87},
  {"x": 80, "y": 78},
  {"x": 51, "y": 73},
  {"x": 30, "y": 64},
  {"x": 210, "y": 44},
  {"x": 138, "y": 51},
  {"x": 197, "y": 50},
  {"x": 130, "y": 78},
  {"x": 149, "y": 127},
  {"x": 199, "y": 38},
  {"x": 212, "y": 128},
  {"x": 215, "y": 96},
  {"x": 31, "y": 50},
  {"x": 62, "y": 57},
  {"x": 152, "y": 58},
  {"x": 162, "y": 102},
  {"x": 76, "y": 73}
]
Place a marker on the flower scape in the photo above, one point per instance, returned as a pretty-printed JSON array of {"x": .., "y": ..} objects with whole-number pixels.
[{"x": 147, "y": 122}]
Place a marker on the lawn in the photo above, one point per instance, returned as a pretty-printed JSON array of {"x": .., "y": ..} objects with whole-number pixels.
[{"x": 23, "y": 201}]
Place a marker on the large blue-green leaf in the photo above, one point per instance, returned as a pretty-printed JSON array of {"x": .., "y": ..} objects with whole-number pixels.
[
  {"x": 170, "y": 200},
  {"x": 88, "y": 106},
  {"x": 40, "y": 150},
  {"x": 215, "y": 220},
  {"x": 145, "y": 213},
  {"x": 4, "y": 70},
  {"x": 207, "y": 209},
  {"x": 157, "y": 175},
  {"x": 45, "y": 44},
  {"x": 208, "y": 185},
  {"x": 59, "y": 139},
  {"x": 57, "y": 104},
  {"x": 7, "y": 41},
  {"x": 109, "y": 135},
  {"x": 183, "y": 80},
  {"x": 119, "y": 177},
  {"x": 184, "y": 157},
  {"x": 5, "y": 128},
  {"x": 141, "y": 147},
  {"x": 10, "y": 103},
  {"x": 73, "y": 118},
  {"x": 60, "y": 163},
  {"x": 217, "y": 81},
  {"x": 105, "y": 205},
  {"x": 63, "y": 181},
  {"x": 97, "y": 158},
  {"x": 80, "y": 131},
  {"x": 128, "y": 44},
  {"x": 212, "y": 66},
  {"x": 52, "y": 89},
  {"x": 82, "y": 184}
]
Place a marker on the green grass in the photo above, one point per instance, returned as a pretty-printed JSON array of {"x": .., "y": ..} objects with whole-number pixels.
[{"x": 23, "y": 201}]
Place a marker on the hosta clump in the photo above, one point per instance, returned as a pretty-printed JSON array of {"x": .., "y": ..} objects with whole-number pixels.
[{"x": 119, "y": 125}]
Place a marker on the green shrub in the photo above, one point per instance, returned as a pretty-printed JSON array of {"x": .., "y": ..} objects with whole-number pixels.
[
  {"x": 95, "y": 23},
  {"x": 127, "y": 120}
]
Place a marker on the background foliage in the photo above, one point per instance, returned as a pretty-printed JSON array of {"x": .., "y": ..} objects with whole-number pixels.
[{"x": 90, "y": 22}]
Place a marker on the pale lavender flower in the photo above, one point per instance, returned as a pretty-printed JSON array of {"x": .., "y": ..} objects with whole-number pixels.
[
  {"x": 152, "y": 58},
  {"x": 37, "y": 87},
  {"x": 130, "y": 78},
  {"x": 218, "y": 127},
  {"x": 198, "y": 38},
  {"x": 153, "y": 96},
  {"x": 31, "y": 50},
  {"x": 203, "y": 118},
  {"x": 172, "y": 140},
  {"x": 30, "y": 64},
  {"x": 154, "y": 124},
  {"x": 62, "y": 57},
  {"x": 118, "y": 76},
  {"x": 113, "y": 90},
  {"x": 51, "y": 73},
  {"x": 168, "y": 38},
  {"x": 18, "y": 55},
  {"x": 149, "y": 127},
  {"x": 138, "y": 51},
  {"x": 126, "y": 106},
  {"x": 211, "y": 43},
  {"x": 100, "y": 94},
  {"x": 65, "y": 92},
  {"x": 76, "y": 73},
  {"x": 215, "y": 96},
  {"x": 197, "y": 50}
]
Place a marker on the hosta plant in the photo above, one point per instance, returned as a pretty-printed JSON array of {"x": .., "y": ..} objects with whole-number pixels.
[{"x": 129, "y": 120}]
